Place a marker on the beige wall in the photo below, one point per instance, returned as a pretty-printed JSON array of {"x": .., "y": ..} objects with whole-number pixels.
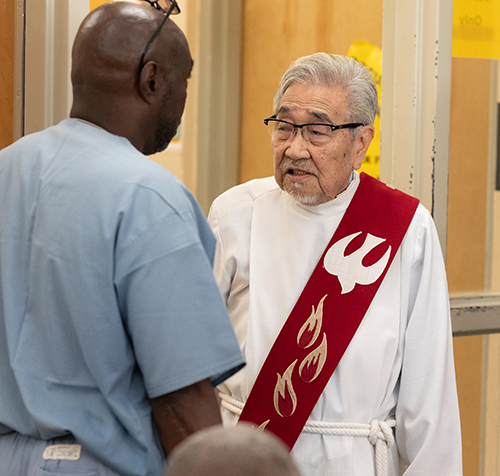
[
  {"x": 468, "y": 169},
  {"x": 467, "y": 227}
]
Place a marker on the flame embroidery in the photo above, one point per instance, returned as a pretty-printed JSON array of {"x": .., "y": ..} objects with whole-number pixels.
[
  {"x": 309, "y": 332},
  {"x": 285, "y": 400},
  {"x": 262, "y": 426},
  {"x": 312, "y": 365}
]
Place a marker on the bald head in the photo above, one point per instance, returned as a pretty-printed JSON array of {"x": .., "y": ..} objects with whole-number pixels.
[
  {"x": 111, "y": 39},
  {"x": 237, "y": 451},
  {"x": 109, "y": 86}
]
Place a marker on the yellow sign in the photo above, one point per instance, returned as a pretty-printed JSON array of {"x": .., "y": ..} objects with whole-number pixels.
[
  {"x": 476, "y": 28},
  {"x": 371, "y": 56}
]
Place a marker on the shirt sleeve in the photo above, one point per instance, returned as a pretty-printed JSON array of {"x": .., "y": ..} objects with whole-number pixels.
[
  {"x": 428, "y": 424},
  {"x": 172, "y": 308}
]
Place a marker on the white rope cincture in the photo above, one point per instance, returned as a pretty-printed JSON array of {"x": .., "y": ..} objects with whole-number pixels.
[
  {"x": 379, "y": 433},
  {"x": 231, "y": 404}
]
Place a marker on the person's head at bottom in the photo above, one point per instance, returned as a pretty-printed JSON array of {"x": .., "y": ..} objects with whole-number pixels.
[{"x": 236, "y": 451}]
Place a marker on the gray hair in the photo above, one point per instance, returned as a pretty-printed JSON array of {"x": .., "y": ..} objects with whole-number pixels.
[{"x": 322, "y": 69}]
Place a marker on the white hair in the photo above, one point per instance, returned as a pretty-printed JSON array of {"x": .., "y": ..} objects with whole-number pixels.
[{"x": 322, "y": 69}]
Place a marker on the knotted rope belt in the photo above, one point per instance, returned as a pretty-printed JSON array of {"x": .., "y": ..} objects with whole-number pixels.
[{"x": 379, "y": 433}]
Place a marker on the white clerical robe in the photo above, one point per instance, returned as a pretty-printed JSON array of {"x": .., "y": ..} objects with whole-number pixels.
[{"x": 398, "y": 365}]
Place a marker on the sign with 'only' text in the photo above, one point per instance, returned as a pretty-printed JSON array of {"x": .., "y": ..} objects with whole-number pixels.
[{"x": 476, "y": 28}]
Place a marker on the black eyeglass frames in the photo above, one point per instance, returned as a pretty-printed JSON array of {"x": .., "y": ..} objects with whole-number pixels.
[
  {"x": 168, "y": 7},
  {"x": 315, "y": 133},
  {"x": 165, "y": 5}
]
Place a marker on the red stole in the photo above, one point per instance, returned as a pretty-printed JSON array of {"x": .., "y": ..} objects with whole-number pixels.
[{"x": 339, "y": 292}]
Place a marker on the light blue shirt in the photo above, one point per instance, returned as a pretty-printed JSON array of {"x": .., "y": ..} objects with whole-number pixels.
[{"x": 106, "y": 293}]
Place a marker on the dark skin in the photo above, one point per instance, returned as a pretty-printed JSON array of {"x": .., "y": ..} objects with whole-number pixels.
[
  {"x": 108, "y": 88},
  {"x": 111, "y": 92}
]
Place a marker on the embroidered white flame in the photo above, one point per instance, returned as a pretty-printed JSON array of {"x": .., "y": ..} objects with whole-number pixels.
[
  {"x": 284, "y": 404},
  {"x": 311, "y": 326},
  {"x": 262, "y": 426},
  {"x": 313, "y": 364}
]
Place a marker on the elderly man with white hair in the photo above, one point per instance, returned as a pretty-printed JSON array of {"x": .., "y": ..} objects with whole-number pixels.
[{"x": 336, "y": 287}]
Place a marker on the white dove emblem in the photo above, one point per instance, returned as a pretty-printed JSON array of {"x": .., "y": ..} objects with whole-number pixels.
[{"x": 349, "y": 269}]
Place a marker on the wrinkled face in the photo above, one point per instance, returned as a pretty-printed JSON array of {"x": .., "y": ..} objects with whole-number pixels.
[{"x": 315, "y": 174}]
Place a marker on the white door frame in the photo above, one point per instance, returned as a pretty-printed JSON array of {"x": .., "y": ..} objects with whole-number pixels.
[{"x": 45, "y": 30}]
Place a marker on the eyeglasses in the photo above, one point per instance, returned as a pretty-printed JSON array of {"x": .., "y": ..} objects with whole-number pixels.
[
  {"x": 316, "y": 134},
  {"x": 168, "y": 7}
]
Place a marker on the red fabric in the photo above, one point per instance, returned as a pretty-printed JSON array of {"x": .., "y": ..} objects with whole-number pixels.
[{"x": 296, "y": 356}]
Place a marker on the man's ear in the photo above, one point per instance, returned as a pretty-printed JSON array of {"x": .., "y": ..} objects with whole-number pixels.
[
  {"x": 148, "y": 81},
  {"x": 361, "y": 144}
]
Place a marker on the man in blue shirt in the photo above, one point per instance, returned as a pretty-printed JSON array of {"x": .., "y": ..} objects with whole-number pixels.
[{"x": 112, "y": 329}]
